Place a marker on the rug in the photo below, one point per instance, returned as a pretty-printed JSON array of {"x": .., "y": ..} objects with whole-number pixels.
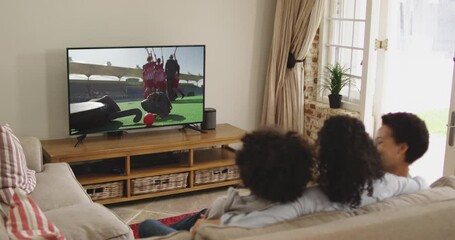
[{"x": 166, "y": 221}]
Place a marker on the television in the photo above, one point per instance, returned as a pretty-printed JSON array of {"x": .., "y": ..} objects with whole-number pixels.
[{"x": 114, "y": 89}]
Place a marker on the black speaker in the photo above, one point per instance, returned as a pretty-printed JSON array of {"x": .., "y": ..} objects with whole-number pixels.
[{"x": 209, "y": 122}]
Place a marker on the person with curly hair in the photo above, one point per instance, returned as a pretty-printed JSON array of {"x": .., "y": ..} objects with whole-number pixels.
[
  {"x": 401, "y": 140},
  {"x": 275, "y": 166},
  {"x": 350, "y": 175},
  {"x": 350, "y": 167}
]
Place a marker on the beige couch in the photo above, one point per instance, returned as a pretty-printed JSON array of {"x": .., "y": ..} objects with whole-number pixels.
[
  {"x": 65, "y": 202},
  {"x": 429, "y": 214}
]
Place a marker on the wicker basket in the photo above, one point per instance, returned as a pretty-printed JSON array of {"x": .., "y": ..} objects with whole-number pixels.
[
  {"x": 159, "y": 183},
  {"x": 104, "y": 190},
  {"x": 216, "y": 175}
]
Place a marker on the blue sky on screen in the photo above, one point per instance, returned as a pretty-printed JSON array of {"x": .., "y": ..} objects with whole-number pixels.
[{"x": 191, "y": 59}]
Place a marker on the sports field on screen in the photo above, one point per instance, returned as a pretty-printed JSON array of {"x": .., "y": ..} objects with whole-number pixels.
[{"x": 186, "y": 110}]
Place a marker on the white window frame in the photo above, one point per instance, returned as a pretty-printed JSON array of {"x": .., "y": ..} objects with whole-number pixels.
[{"x": 324, "y": 45}]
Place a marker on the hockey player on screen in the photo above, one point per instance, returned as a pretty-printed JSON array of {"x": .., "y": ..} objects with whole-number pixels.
[{"x": 148, "y": 75}]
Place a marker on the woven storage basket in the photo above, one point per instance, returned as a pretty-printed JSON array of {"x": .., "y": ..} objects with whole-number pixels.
[
  {"x": 104, "y": 190},
  {"x": 159, "y": 183},
  {"x": 216, "y": 175}
]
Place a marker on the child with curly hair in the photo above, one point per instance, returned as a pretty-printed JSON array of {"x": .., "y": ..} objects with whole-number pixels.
[{"x": 275, "y": 166}]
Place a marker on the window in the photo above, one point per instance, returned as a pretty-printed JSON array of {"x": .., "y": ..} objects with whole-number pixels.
[{"x": 343, "y": 33}]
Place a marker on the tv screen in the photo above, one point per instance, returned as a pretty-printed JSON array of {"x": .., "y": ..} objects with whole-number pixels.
[{"x": 114, "y": 89}]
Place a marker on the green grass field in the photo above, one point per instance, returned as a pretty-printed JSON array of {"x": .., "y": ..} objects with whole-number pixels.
[
  {"x": 187, "y": 110},
  {"x": 436, "y": 120}
]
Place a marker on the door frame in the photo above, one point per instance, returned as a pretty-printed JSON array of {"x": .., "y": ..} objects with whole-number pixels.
[
  {"x": 449, "y": 159},
  {"x": 369, "y": 78}
]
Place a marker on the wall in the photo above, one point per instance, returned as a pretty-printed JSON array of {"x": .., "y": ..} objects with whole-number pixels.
[
  {"x": 35, "y": 35},
  {"x": 316, "y": 112}
]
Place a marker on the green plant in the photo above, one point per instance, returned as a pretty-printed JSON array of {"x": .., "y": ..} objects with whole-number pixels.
[{"x": 335, "y": 78}]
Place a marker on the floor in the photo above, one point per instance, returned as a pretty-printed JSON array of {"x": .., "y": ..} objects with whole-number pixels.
[{"x": 163, "y": 207}]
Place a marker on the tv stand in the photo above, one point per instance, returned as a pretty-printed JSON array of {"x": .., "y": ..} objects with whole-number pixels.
[
  {"x": 122, "y": 169},
  {"x": 80, "y": 139},
  {"x": 192, "y": 126}
]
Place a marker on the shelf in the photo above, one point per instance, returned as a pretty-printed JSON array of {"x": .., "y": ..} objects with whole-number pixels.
[
  {"x": 212, "y": 158},
  {"x": 145, "y": 154},
  {"x": 203, "y": 159},
  {"x": 170, "y": 192},
  {"x": 99, "y": 147},
  {"x": 160, "y": 194},
  {"x": 217, "y": 184},
  {"x": 94, "y": 178},
  {"x": 159, "y": 170}
]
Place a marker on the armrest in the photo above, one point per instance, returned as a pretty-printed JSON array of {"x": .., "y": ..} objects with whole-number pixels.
[{"x": 33, "y": 153}]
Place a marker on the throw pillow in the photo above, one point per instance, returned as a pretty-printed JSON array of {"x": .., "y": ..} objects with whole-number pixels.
[
  {"x": 24, "y": 220},
  {"x": 13, "y": 166}
]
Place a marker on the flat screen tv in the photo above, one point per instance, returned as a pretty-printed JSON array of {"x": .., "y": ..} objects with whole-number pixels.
[{"x": 114, "y": 89}]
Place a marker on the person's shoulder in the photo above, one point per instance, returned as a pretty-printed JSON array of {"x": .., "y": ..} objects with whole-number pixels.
[
  {"x": 391, "y": 179},
  {"x": 313, "y": 193},
  {"x": 314, "y": 190},
  {"x": 422, "y": 182}
]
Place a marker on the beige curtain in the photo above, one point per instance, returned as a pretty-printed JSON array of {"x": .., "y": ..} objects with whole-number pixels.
[{"x": 296, "y": 23}]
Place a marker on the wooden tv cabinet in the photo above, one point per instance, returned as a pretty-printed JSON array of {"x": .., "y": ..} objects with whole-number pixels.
[{"x": 196, "y": 151}]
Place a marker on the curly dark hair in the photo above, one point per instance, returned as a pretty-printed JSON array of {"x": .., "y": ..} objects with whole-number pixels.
[
  {"x": 410, "y": 129},
  {"x": 275, "y": 165},
  {"x": 348, "y": 160}
]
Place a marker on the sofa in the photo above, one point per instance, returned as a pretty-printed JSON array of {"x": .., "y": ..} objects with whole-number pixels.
[
  {"x": 428, "y": 214},
  {"x": 65, "y": 203}
]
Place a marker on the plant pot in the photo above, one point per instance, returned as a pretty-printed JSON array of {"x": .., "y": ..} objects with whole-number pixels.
[{"x": 335, "y": 100}]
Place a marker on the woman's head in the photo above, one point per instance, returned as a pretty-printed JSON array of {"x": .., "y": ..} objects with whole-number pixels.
[
  {"x": 274, "y": 165},
  {"x": 348, "y": 160}
]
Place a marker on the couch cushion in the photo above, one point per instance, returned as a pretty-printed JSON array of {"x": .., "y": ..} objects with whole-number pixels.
[
  {"x": 227, "y": 232},
  {"x": 33, "y": 152},
  {"x": 13, "y": 167},
  {"x": 89, "y": 221},
  {"x": 433, "y": 221},
  {"x": 23, "y": 219},
  {"x": 446, "y": 181},
  {"x": 437, "y": 194},
  {"x": 57, "y": 187}
]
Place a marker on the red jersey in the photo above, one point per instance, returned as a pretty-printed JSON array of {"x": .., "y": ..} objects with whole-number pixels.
[
  {"x": 159, "y": 73},
  {"x": 148, "y": 73}
]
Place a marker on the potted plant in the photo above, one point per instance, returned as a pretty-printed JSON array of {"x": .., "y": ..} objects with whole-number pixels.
[{"x": 335, "y": 78}]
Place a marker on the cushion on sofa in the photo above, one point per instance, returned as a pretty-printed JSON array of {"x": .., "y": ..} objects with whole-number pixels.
[
  {"x": 57, "y": 187},
  {"x": 33, "y": 152},
  {"x": 89, "y": 221},
  {"x": 14, "y": 172},
  {"x": 23, "y": 219},
  {"x": 433, "y": 221},
  {"x": 446, "y": 181},
  {"x": 426, "y": 196},
  {"x": 227, "y": 232}
]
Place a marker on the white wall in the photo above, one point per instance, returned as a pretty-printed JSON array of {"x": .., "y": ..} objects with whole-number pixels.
[{"x": 34, "y": 36}]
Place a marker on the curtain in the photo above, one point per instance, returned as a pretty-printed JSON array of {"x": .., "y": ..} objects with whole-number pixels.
[{"x": 295, "y": 26}]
